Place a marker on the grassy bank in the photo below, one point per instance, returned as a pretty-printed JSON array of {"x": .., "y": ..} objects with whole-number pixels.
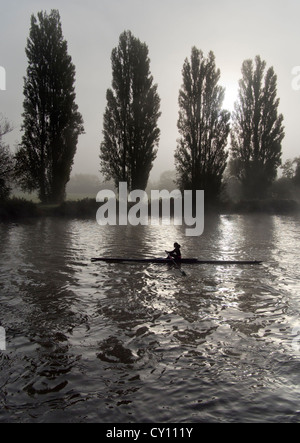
[{"x": 18, "y": 209}]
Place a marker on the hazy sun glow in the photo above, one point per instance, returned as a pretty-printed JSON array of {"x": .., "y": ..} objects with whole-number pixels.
[{"x": 231, "y": 96}]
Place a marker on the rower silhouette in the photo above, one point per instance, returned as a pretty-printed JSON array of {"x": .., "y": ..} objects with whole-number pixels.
[{"x": 176, "y": 253}]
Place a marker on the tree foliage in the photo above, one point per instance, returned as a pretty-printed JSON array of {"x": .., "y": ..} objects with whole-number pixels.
[
  {"x": 52, "y": 122},
  {"x": 130, "y": 121},
  {"x": 6, "y": 161},
  {"x": 203, "y": 125},
  {"x": 288, "y": 185},
  {"x": 257, "y": 130}
]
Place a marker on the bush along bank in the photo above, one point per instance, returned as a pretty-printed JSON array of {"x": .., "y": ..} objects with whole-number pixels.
[{"x": 18, "y": 209}]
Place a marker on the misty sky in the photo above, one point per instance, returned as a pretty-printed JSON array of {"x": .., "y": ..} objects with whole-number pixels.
[{"x": 234, "y": 30}]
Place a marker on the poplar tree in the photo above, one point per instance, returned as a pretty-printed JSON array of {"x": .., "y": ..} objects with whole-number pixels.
[
  {"x": 130, "y": 121},
  {"x": 257, "y": 131},
  {"x": 52, "y": 122},
  {"x": 6, "y": 161},
  {"x": 203, "y": 125}
]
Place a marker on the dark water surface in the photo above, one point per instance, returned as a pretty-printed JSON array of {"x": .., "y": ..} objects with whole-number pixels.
[{"x": 140, "y": 343}]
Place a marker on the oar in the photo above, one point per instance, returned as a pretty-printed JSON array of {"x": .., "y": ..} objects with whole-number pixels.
[{"x": 176, "y": 264}]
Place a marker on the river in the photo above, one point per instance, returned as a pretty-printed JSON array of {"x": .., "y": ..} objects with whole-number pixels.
[{"x": 111, "y": 343}]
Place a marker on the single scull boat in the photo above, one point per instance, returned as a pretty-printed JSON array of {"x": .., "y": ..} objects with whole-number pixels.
[{"x": 186, "y": 261}]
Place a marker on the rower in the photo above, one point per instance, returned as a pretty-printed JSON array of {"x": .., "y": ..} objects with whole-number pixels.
[{"x": 176, "y": 253}]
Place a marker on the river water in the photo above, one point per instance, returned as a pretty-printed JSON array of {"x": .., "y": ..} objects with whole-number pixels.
[{"x": 141, "y": 343}]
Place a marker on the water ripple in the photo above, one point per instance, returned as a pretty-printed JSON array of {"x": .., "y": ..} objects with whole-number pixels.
[{"x": 116, "y": 343}]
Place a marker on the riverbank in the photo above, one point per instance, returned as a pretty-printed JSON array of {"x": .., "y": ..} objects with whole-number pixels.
[
  {"x": 267, "y": 206},
  {"x": 18, "y": 209}
]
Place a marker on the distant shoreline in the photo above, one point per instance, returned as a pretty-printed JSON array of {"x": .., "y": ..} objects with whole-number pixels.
[{"x": 19, "y": 209}]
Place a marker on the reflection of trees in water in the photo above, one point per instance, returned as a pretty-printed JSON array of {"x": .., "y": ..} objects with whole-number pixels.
[{"x": 40, "y": 324}]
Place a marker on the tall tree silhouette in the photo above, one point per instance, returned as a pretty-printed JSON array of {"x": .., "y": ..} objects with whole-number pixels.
[
  {"x": 130, "y": 121},
  {"x": 52, "y": 122},
  {"x": 200, "y": 156},
  {"x": 257, "y": 130},
  {"x": 6, "y": 161}
]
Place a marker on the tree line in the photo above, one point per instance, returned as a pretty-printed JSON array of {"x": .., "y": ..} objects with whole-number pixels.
[{"x": 52, "y": 122}]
